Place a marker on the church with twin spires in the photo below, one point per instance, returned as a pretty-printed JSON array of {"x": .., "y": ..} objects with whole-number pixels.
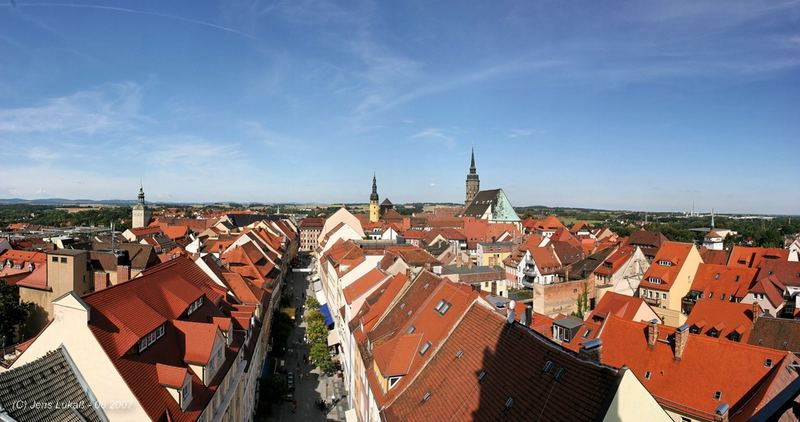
[{"x": 491, "y": 205}]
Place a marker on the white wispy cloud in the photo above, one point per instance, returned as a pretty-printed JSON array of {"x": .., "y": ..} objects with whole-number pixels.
[
  {"x": 435, "y": 135},
  {"x": 520, "y": 133},
  {"x": 108, "y": 108}
]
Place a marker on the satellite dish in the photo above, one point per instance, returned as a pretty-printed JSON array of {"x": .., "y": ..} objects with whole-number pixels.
[{"x": 512, "y": 305}]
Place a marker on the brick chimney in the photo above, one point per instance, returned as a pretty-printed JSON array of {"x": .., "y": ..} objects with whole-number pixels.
[
  {"x": 592, "y": 350},
  {"x": 756, "y": 311},
  {"x": 681, "y": 336},
  {"x": 100, "y": 281},
  {"x": 721, "y": 413},
  {"x": 123, "y": 273},
  {"x": 652, "y": 333}
]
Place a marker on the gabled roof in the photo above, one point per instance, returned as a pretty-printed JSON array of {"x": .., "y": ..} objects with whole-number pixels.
[
  {"x": 752, "y": 257},
  {"x": 723, "y": 280},
  {"x": 674, "y": 252},
  {"x": 711, "y": 256},
  {"x": 625, "y": 307},
  {"x": 312, "y": 223},
  {"x": 481, "y": 202},
  {"x": 723, "y": 316},
  {"x": 646, "y": 239},
  {"x": 511, "y": 359},
  {"x": 771, "y": 287},
  {"x": 362, "y": 285},
  {"x": 776, "y": 333},
  {"x": 787, "y": 272},
  {"x": 49, "y": 379},
  {"x": 123, "y": 314},
  {"x": 546, "y": 259},
  {"x": 616, "y": 261},
  {"x": 707, "y": 365},
  {"x": 198, "y": 340}
]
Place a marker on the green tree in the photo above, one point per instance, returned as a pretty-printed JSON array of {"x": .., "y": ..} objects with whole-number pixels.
[
  {"x": 312, "y": 304},
  {"x": 12, "y": 312},
  {"x": 583, "y": 303},
  {"x": 317, "y": 332},
  {"x": 321, "y": 357}
]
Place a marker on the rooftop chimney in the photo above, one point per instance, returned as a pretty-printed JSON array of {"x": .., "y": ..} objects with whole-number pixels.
[
  {"x": 528, "y": 315},
  {"x": 681, "y": 336},
  {"x": 652, "y": 333},
  {"x": 721, "y": 413},
  {"x": 756, "y": 311},
  {"x": 592, "y": 350}
]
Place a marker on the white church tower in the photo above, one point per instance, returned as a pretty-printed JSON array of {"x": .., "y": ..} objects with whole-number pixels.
[{"x": 141, "y": 215}]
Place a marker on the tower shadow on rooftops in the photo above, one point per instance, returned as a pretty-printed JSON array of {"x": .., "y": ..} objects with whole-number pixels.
[{"x": 521, "y": 375}]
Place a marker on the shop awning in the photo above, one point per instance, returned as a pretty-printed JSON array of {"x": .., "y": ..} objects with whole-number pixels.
[
  {"x": 333, "y": 337},
  {"x": 327, "y": 314}
]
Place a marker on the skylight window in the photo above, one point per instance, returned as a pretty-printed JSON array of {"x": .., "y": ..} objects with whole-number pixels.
[
  {"x": 509, "y": 403},
  {"x": 768, "y": 363},
  {"x": 481, "y": 376},
  {"x": 717, "y": 395},
  {"x": 559, "y": 373},
  {"x": 411, "y": 329},
  {"x": 427, "y": 396},
  {"x": 442, "y": 307},
  {"x": 547, "y": 366},
  {"x": 587, "y": 332},
  {"x": 647, "y": 375},
  {"x": 425, "y": 348}
]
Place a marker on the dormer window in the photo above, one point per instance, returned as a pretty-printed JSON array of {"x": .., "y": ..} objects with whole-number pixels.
[
  {"x": 151, "y": 338},
  {"x": 195, "y": 305},
  {"x": 186, "y": 394},
  {"x": 653, "y": 280},
  {"x": 664, "y": 263},
  {"x": 393, "y": 381}
]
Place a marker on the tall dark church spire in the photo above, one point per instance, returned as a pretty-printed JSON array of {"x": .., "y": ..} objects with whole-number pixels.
[
  {"x": 374, "y": 195},
  {"x": 473, "y": 182},
  {"x": 472, "y": 169},
  {"x": 374, "y": 210}
]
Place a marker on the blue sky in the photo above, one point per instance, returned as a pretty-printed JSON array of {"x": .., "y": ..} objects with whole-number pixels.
[{"x": 632, "y": 105}]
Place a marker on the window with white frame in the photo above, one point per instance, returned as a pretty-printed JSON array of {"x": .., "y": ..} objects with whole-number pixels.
[
  {"x": 665, "y": 263},
  {"x": 151, "y": 338},
  {"x": 195, "y": 305},
  {"x": 653, "y": 280}
]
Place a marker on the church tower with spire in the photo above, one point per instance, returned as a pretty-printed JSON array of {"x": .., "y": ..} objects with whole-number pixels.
[
  {"x": 473, "y": 182},
  {"x": 141, "y": 215},
  {"x": 374, "y": 208}
]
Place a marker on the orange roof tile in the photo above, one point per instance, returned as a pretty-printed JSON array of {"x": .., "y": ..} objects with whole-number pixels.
[
  {"x": 676, "y": 254},
  {"x": 746, "y": 256},
  {"x": 722, "y": 281},
  {"x": 688, "y": 384},
  {"x": 724, "y": 316}
]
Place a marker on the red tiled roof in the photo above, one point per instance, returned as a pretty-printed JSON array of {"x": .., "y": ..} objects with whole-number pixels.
[
  {"x": 198, "y": 338},
  {"x": 711, "y": 256},
  {"x": 746, "y": 256},
  {"x": 615, "y": 261},
  {"x": 722, "y": 281},
  {"x": 511, "y": 359},
  {"x": 394, "y": 357},
  {"x": 546, "y": 259},
  {"x": 707, "y": 365},
  {"x": 722, "y": 315},
  {"x": 787, "y": 272},
  {"x": 771, "y": 287},
  {"x": 361, "y": 286},
  {"x": 625, "y": 307},
  {"x": 171, "y": 376},
  {"x": 122, "y": 314},
  {"x": 174, "y": 232},
  {"x": 674, "y": 252}
]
